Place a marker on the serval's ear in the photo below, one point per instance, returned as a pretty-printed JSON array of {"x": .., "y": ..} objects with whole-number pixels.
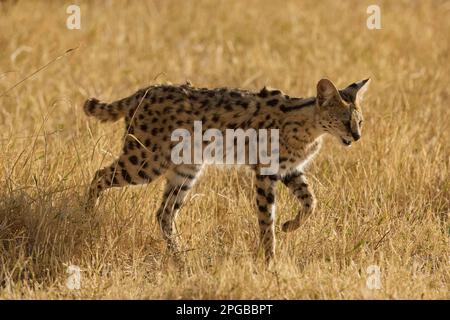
[
  {"x": 357, "y": 90},
  {"x": 326, "y": 91}
]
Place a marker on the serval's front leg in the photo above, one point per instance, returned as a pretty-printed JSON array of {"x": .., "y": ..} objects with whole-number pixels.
[
  {"x": 297, "y": 183},
  {"x": 265, "y": 201}
]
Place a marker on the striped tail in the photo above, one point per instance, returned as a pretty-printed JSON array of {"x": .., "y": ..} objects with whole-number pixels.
[{"x": 112, "y": 111}]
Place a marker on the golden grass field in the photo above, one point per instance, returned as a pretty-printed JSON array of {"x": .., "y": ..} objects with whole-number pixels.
[{"x": 384, "y": 202}]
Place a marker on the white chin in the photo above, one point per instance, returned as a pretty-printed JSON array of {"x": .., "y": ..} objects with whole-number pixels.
[{"x": 346, "y": 142}]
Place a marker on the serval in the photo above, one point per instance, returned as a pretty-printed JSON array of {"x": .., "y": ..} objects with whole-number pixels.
[{"x": 153, "y": 113}]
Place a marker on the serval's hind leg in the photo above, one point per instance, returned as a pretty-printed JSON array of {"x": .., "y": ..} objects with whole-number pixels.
[
  {"x": 129, "y": 169},
  {"x": 179, "y": 181}
]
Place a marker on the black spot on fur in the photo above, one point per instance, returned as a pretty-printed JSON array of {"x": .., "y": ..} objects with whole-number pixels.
[
  {"x": 216, "y": 117},
  {"x": 270, "y": 198},
  {"x": 262, "y": 208},
  {"x": 275, "y": 92},
  {"x": 184, "y": 187},
  {"x": 204, "y": 103},
  {"x": 133, "y": 160},
  {"x": 261, "y": 192},
  {"x": 272, "y": 102},
  {"x": 264, "y": 93},
  {"x": 126, "y": 176},
  {"x": 228, "y": 107},
  {"x": 143, "y": 175},
  {"x": 130, "y": 145}
]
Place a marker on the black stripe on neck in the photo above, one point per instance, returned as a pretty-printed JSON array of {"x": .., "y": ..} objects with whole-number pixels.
[{"x": 302, "y": 103}]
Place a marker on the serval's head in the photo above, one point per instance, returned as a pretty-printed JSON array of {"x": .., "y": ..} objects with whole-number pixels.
[{"x": 340, "y": 110}]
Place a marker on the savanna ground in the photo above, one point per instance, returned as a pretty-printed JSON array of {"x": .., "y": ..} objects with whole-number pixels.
[{"x": 383, "y": 202}]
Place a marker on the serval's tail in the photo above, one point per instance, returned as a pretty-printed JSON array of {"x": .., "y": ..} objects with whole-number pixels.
[{"x": 115, "y": 110}]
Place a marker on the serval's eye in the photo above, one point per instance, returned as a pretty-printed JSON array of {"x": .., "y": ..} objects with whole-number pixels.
[{"x": 360, "y": 122}]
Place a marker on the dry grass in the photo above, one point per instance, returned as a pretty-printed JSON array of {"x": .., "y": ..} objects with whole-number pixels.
[{"x": 385, "y": 201}]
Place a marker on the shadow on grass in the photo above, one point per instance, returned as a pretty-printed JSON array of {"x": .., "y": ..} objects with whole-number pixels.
[{"x": 40, "y": 235}]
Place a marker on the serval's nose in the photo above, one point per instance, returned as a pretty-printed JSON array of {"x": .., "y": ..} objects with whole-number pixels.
[{"x": 356, "y": 136}]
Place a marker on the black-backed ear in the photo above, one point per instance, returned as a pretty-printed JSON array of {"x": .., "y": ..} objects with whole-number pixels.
[
  {"x": 326, "y": 91},
  {"x": 357, "y": 90}
]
